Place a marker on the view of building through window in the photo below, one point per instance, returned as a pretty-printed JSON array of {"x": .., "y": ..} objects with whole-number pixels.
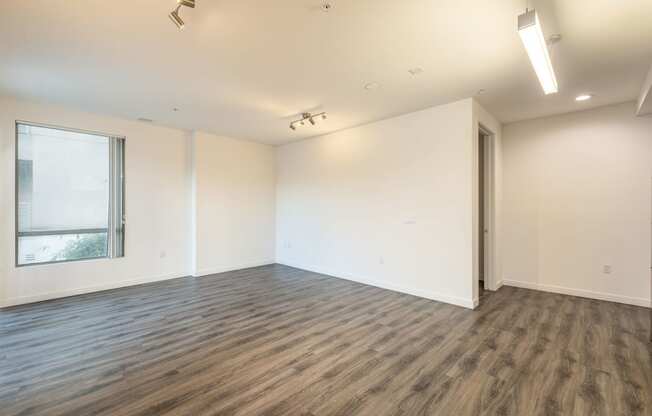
[{"x": 66, "y": 195}]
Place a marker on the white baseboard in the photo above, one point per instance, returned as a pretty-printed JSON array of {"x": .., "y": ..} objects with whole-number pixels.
[
  {"x": 224, "y": 269},
  {"x": 500, "y": 284},
  {"x": 579, "y": 292},
  {"x": 21, "y": 300},
  {"x": 453, "y": 300}
]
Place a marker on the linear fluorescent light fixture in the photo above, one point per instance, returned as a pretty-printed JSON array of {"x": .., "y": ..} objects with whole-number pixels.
[{"x": 529, "y": 28}]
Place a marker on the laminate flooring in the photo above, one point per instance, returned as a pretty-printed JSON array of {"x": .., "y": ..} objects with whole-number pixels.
[{"x": 275, "y": 340}]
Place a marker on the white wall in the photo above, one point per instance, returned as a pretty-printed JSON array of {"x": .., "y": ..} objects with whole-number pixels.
[
  {"x": 388, "y": 203},
  {"x": 577, "y": 197},
  {"x": 195, "y": 203},
  {"x": 234, "y": 204},
  {"x": 157, "y": 207}
]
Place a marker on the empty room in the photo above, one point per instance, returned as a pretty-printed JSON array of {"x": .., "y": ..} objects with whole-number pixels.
[{"x": 326, "y": 208}]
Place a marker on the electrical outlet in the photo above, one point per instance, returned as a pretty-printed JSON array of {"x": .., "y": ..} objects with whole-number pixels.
[
  {"x": 381, "y": 260},
  {"x": 163, "y": 254},
  {"x": 606, "y": 269},
  {"x": 288, "y": 244}
]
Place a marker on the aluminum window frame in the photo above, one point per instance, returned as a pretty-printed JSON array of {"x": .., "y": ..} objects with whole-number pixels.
[{"x": 117, "y": 191}]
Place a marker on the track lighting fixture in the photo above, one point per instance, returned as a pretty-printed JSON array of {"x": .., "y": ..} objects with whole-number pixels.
[
  {"x": 311, "y": 118},
  {"x": 174, "y": 15}
]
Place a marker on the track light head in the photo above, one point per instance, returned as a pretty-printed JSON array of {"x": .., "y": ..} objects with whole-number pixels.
[
  {"x": 187, "y": 3},
  {"x": 323, "y": 116},
  {"x": 292, "y": 126},
  {"x": 174, "y": 16},
  {"x": 312, "y": 120}
]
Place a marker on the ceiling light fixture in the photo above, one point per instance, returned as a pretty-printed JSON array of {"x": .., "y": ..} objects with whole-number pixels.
[
  {"x": 174, "y": 15},
  {"x": 529, "y": 28},
  {"x": 311, "y": 118},
  {"x": 371, "y": 86},
  {"x": 187, "y": 3},
  {"x": 583, "y": 97}
]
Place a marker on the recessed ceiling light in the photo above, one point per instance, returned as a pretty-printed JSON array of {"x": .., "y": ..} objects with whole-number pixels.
[
  {"x": 583, "y": 97},
  {"x": 415, "y": 71},
  {"x": 145, "y": 120},
  {"x": 326, "y": 7},
  {"x": 371, "y": 86},
  {"x": 175, "y": 109}
]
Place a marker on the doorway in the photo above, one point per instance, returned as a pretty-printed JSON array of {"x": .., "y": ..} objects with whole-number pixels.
[
  {"x": 481, "y": 211},
  {"x": 485, "y": 210}
]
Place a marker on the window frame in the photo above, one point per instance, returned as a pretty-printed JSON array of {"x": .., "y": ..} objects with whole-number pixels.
[{"x": 117, "y": 191}]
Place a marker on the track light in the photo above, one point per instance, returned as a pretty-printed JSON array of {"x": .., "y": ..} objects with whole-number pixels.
[
  {"x": 174, "y": 16},
  {"x": 187, "y": 3},
  {"x": 311, "y": 118},
  {"x": 529, "y": 28}
]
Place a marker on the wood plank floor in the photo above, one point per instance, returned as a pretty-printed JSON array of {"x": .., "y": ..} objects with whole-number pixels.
[{"x": 274, "y": 340}]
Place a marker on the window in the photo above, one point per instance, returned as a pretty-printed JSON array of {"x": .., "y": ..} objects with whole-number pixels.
[{"x": 69, "y": 195}]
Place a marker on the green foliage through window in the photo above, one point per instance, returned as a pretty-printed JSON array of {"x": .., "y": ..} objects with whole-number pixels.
[{"x": 87, "y": 246}]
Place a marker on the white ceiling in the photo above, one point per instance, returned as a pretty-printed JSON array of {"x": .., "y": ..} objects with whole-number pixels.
[{"x": 246, "y": 68}]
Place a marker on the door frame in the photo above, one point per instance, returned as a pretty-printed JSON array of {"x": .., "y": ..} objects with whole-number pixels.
[{"x": 490, "y": 281}]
